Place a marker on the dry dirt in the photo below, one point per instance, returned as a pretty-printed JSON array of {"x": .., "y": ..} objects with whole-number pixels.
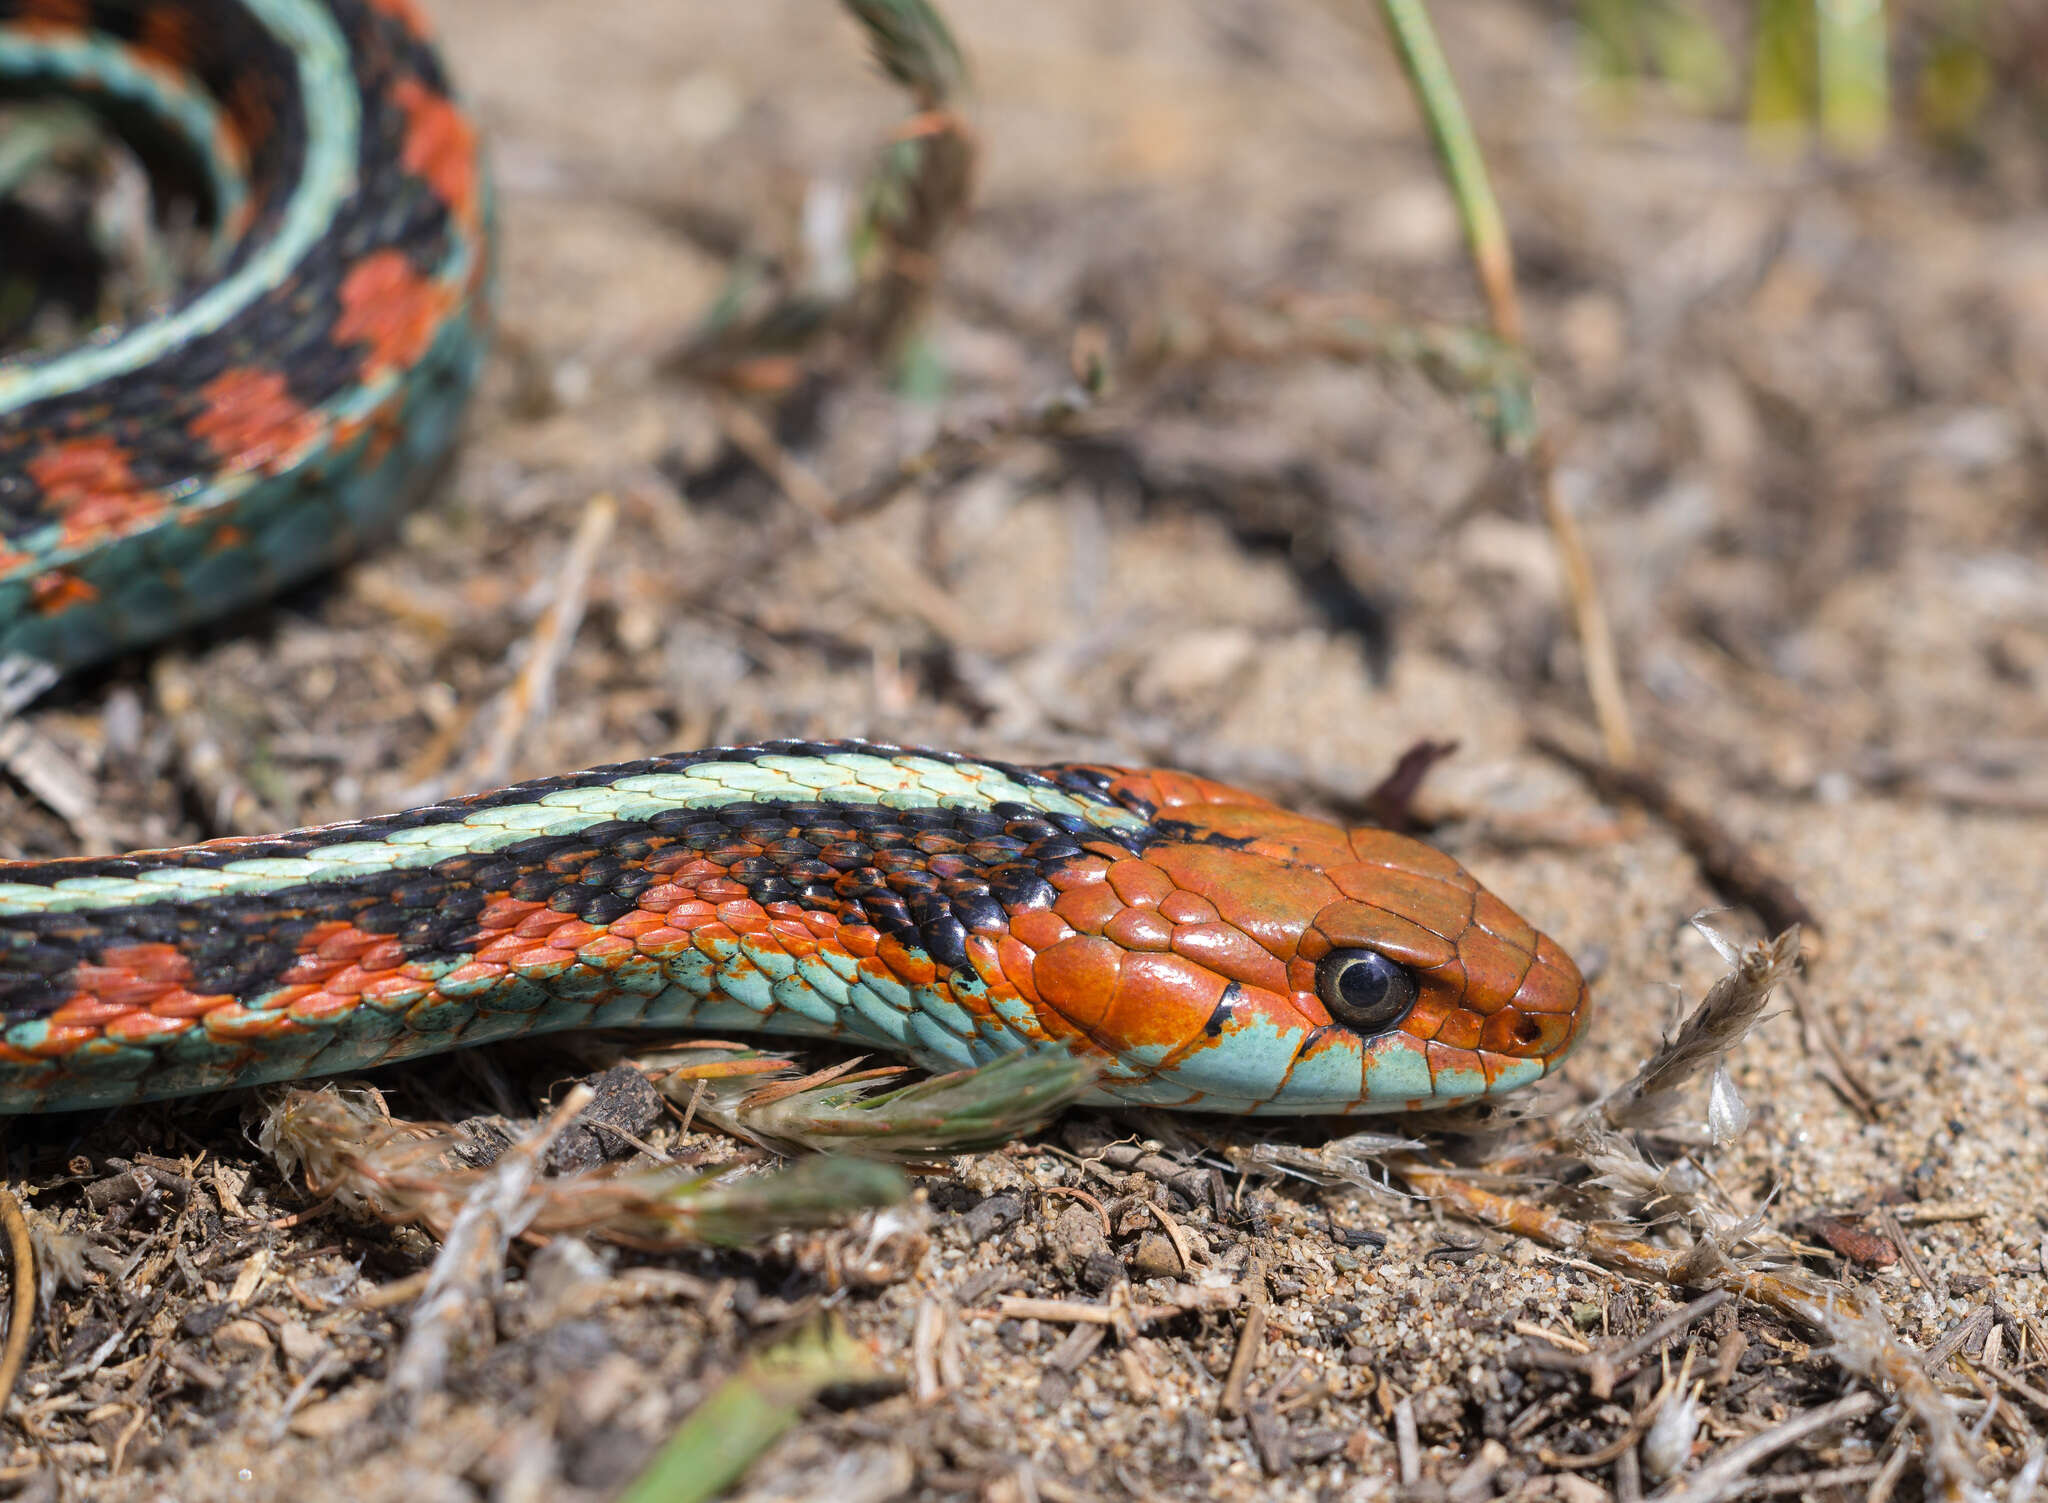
[{"x": 1802, "y": 414}]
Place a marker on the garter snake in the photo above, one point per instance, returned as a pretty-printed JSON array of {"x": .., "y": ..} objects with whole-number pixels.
[{"x": 1210, "y": 949}]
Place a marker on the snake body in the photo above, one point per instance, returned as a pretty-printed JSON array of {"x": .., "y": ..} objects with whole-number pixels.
[
  {"x": 1209, "y": 949},
  {"x": 298, "y": 393}
]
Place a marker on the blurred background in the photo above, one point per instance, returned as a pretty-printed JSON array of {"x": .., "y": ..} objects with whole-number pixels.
[
  {"x": 1786, "y": 291},
  {"x": 813, "y": 344}
]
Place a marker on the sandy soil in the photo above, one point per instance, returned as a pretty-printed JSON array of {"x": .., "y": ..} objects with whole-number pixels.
[{"x": 1802, "y": 411}]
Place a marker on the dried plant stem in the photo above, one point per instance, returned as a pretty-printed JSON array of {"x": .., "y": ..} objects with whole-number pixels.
[
  {"x": 1596, "y": 637},
  {"x": 1251, "y": 1340},
  {"x": 1862, "y": 1344},
  {"x": 21, "y": 1313},
  {"x": 528, "y": 699},
  {"x": 1493, "y": 259},
  {"x": 472, "y": 1257},
  {"x": 1731, "y": 867},
  {"x": 411, "y": 1172},
  {"x": 1723, "y": 1473}
]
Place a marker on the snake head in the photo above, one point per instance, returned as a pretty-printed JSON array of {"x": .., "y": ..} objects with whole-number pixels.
[{"x": 1250, "y": 959}]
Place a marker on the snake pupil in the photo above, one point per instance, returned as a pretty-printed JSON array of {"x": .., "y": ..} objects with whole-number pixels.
[{"x": 1364, "y": 990}]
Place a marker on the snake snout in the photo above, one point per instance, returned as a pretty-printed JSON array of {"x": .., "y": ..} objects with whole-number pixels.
[{"x": 1494, "y": 995}]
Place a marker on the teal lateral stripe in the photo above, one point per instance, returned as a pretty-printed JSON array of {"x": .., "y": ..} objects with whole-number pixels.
[
  {"x": 327, "y": 94},
  {"x": 842, "y": 778},
  {"x": 91, "y": 64}
]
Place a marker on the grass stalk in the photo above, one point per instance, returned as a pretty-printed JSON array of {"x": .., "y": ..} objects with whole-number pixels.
[
  {"x": 748, "y": 1413},
  {"x": 1852, "y": 58},
  {"x": 1486, "y": 234}
]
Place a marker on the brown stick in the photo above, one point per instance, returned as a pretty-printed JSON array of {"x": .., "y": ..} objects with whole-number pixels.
[
  {"x": 21, "y": 1314},
  {"x": 1729, "y": 866}
]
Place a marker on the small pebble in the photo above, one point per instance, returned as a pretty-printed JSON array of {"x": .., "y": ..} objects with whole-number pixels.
[{"x": 242, "y": 1338}]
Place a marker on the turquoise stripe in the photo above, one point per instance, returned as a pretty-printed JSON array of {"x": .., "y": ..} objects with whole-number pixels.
[
  {"x": 333, "y": 113},
  {"x": 93, "y": 64}
]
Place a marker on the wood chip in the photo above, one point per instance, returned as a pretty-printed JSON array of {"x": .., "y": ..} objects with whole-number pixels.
[
  {"x": 336, "y": 1416},
  {"x": 1251, "y": 1338},
  {"x": 1556, "y": 1338}
]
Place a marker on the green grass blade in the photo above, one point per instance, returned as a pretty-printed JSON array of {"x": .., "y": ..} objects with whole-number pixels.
[
  {"x": 912, "y": 45},
  {"x": 1855, "y": 81},
  {"x": 1463, "y": 162},
  {"x": 1781, "y": 80},
  {"x": 948, "y": 1114},
  {"x": 748, "y": 1413},
  {"x": 809, "y": 1193},
  {"x": 1688, "y": 51}
]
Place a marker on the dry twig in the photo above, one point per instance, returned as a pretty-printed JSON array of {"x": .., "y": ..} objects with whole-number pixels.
[
  {"x": 891, "y": 583},
  {"x": 531, "y": 693},
  {"x": 1731, "y": 867},
  {"x": 1718, "y": 1476},
  {"x": 472, "y": 1258},
  {"x": 21, "y": 1310}
]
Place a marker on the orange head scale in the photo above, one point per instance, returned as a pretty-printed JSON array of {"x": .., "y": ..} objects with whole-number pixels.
[{"x": 1243, "y": 958}]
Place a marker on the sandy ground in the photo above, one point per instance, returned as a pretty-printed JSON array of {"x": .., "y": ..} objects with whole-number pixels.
[{"x": 1803, "y": 417}]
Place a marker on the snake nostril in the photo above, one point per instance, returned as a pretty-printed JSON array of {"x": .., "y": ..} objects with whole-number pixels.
[{"x": 1528, "y": 1032}]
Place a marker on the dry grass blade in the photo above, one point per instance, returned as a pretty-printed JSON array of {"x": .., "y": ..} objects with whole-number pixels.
[{"x": 1653, "y": 1096}]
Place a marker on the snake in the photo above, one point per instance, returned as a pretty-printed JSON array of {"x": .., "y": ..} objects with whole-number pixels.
[{"x": 1202, "y": 946}]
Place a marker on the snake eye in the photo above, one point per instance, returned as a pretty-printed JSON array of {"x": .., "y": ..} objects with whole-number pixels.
[{"x": 1364, "y": 990}]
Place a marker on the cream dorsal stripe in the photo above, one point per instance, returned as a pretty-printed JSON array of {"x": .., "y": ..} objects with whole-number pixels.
[{"x": 845, "y": 773}]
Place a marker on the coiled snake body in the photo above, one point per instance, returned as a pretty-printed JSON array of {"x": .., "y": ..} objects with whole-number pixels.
[{"x": 1210, "y": 949}]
